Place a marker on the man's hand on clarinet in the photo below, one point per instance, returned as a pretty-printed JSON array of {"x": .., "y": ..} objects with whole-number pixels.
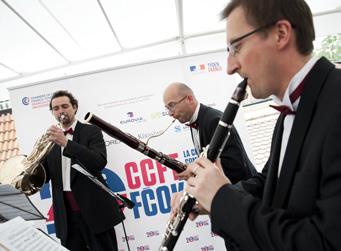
[{"x": 208, "y": 178}]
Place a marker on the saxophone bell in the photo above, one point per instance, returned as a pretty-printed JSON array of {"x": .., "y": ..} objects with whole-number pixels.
[{"x": 26, "y": 173}]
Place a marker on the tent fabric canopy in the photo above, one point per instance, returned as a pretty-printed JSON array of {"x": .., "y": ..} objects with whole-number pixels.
[{"x": 39, "y": 36}]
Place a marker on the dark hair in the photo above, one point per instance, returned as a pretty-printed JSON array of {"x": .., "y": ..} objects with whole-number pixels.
[
  {"x": 64, "y": 93},
  {"x": 263, "y": 12}
]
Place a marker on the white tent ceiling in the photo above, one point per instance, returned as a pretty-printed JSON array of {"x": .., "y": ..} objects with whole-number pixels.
[{"x": 39, "y": 37}]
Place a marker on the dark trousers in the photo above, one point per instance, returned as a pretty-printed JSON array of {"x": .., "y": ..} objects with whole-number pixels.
[{"x": 81, "y": 238}]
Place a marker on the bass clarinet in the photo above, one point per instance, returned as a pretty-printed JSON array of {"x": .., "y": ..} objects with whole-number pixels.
[
  {"x": 135, "y": 143},
  {"x": 212, "y": 152}
]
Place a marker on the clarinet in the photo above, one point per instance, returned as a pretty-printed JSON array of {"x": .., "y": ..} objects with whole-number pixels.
[
  {"x": 212, "y": 152},
  {"x": 135, "y": 143}
]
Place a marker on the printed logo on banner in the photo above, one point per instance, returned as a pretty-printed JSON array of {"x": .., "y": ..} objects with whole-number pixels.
[
  {"x": 143, "y": 248},
  {"x": 214, "y": 66},
  {"x": 159, "y": 115},
  {"x": 129, "y": 237},
  {"x": 202, "y": 223},
  {"x": 152, "y": 233},
  {"x": 208, "y": 67},
  {"x": 39, "y": 101},
  {"x": 112, "y": 142},
  {"x": 191, "y": 239},
  {"x": 180, "y": 128},
  {"x": 200, "y": 68},
  {"x": 207, "y": 248},
  {"x": 25, "y": 100},
  {"x": 132, "y": 119}
]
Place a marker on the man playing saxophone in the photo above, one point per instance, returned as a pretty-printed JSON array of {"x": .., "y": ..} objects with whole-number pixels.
[{"x": 84, "y": 214}]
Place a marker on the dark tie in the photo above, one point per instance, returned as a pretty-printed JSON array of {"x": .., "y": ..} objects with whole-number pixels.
[
  {"x": 283, "y": 109},
  {"x": 194, "y": 125},
  {"x": 68, "y": 131}
]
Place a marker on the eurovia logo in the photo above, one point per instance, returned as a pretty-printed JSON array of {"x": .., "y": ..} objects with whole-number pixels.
[{"x": 132, "y": 118}]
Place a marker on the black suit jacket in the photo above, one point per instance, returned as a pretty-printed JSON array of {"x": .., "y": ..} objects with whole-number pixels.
[
  {"x": 99, "y": 210},
  {"x": 301, "y": 209},
  {"x": 235, "y": 162}
]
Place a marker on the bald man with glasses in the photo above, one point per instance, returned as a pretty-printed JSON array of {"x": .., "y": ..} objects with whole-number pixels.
[{"x": 182, "y": 105}]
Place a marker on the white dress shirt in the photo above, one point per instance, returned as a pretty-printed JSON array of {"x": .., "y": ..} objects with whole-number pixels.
[
  {"x": 289, "y": 119},
  {"x": 66, "y": 163}
]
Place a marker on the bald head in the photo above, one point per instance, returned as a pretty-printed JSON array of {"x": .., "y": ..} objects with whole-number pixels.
[{"x": 180, "y": 101}]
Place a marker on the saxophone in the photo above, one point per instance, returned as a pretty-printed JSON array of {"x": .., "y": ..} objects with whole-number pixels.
[
  {"x": 211, "y": 152},
  {"x": 26, "y": 173}
]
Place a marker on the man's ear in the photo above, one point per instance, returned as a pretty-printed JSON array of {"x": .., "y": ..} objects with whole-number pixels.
[{"x": 284, "y": 33}]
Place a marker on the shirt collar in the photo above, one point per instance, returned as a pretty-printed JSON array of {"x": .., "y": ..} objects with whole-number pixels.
[
  {"x": 294, "y": 82},
  {"x": 73, "y": 126},
  {"x": 195, "y": 114}
]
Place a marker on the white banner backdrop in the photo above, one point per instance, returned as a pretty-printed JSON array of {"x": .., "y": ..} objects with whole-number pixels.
[{"x": 131, "y": 99}]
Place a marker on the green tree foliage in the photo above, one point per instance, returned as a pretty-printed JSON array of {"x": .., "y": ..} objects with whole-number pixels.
[{"x": 330, "y": 48}]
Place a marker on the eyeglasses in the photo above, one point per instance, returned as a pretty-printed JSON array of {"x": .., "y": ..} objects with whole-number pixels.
[
  {"x": 173, "y": 104},
  {"x": 233, "y": 48}
]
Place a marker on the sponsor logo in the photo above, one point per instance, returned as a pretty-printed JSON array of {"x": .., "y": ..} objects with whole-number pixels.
[
  {"x": 25, "y": 100},
  {"x": 152, "y": 233},
  {"x": 191, "y": 239},
  {"x": 207, "y": 248},
  {"x": 112, "y": 142},
  {"x": 214, "y": 66},
  {"x": 129, "y": 238},
  {"x": 146, "y": 135},
  {"x": 201, "y": 223},
  {"x": 197, "y": 68},
  {"x": 37, "y": 101},
  {"x": 142, "y": 248},
  {"x": 159, "y": 115},
  {"x": 132, "y": 119},
  {"x": 180, "y": 128},
  {"x": 209, "y": 67}
]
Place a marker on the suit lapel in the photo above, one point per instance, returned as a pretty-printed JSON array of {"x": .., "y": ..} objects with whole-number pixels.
[
  {"x": 315, "y": 81},
  {"x": 75, "y": 138},
  {"x": 201, "y": 123},
  {"x": 271, "y": 179}
]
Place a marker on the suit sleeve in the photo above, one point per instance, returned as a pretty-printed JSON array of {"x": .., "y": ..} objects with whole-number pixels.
[
  {"x": 253, "y": 226},
  {"x": 92, "y": 154}
]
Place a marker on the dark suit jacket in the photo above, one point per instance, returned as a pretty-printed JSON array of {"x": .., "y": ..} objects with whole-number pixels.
[
  {"x": 99, "y": 210},
  {"x": 301, "y": 209},
  {"x": 235, "y": 162}
]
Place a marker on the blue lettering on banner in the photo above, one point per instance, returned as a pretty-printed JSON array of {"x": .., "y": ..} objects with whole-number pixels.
[
  {"x": 189, "y": 155},
  {"x": 156, "y": 201}
]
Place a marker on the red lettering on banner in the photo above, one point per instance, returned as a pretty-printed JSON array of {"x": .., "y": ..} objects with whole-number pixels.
[
  {"x": 133, "y": 182},
  {"x": 148, "y": 180},
  {"x": 149, "y": 173},
  {"x": 160, "y": 171}
]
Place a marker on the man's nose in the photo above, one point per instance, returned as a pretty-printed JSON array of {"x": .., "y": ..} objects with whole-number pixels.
[{"x": 232, "y": 64}]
